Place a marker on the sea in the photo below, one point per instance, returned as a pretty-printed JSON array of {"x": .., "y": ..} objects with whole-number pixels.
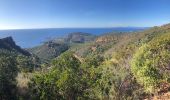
[{"x": 28, "y": 38}]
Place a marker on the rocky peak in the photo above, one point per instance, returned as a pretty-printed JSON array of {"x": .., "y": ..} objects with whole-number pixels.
[
  {"x": 9, "y": 44},
  {"x": 8, "y": 40}
]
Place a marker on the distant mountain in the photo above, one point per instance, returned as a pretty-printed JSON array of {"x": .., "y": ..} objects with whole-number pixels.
[
  {"x": 23, "y": 36},
  {"x": 9, "y": 44},
  {"x": 55, "y": 47},
  {"x": 25, "y": 61},
  {"x": 132, "y": 64},
  {"x": 49, "y": 50},
  {"x": 80, "y": 37}
]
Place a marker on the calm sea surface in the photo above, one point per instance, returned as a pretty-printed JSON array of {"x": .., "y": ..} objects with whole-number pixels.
[{"x": 32, "y": 37}]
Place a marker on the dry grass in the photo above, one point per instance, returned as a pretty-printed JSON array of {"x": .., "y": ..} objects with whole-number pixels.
[
  {"x": 23, "y": 79},
  {"x": 22, "y": 83}
]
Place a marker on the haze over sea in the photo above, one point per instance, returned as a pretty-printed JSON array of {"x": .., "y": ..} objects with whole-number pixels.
[{"x": 27, "y": 38}]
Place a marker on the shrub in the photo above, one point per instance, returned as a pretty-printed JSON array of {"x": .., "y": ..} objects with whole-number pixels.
[
  {"x": 150, "y": 64},
  {"x": 62, "y": 82},
  {"x": 8, "y": 72}
]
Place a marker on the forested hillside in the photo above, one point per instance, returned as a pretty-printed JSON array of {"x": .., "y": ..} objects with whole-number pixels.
[
  {"x": 114, "y": 66},
  {"x": 53, "y": 48}
]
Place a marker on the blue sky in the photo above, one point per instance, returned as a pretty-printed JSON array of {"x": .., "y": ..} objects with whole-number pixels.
[{"x": 19, "y": 14}]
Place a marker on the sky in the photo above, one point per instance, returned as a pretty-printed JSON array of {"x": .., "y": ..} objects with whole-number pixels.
[{"x": 25, "y": 14}]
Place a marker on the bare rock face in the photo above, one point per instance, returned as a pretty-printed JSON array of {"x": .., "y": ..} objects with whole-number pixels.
[{"x": 9, "y": 44}]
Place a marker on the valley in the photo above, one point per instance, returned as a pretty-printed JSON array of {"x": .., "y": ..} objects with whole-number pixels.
[{"x": 83, "y": 66}]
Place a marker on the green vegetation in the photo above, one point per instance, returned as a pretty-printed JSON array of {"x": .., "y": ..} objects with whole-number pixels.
[
  {"x": 115, "y": 66},
  {"x": 8, "y": 72},
  {"x": 62, "y": 82},
  {"x": 150, "y": 64},
  {"x": 53, "y": 48},
  {"x": 49, "y": 51}
]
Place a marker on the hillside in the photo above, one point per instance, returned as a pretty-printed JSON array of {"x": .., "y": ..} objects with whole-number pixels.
[
  {"x": 53, "y": 48},
  {"x": 49, "y": 50},
  {"x": 9, "y": 44},
  {"x": 25, "y": 60},
  {"x": 80, "y": 37},
  {"x": 120, "y": 51},
  {"x": 114, "y": 66}
]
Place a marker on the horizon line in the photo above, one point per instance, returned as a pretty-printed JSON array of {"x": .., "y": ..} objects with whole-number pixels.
[{"x": 77, "y": 27}]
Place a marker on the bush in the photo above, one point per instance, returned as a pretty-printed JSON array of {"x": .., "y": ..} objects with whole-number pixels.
[
  {"x": 62, "y": 82},
  {"x": 8, "y": 72},
  {"x": 150, "y": 64},
  {"x": 25, "y": 63}
]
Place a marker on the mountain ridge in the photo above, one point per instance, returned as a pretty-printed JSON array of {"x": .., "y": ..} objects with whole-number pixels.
[{"x": 9, "y": 44}]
